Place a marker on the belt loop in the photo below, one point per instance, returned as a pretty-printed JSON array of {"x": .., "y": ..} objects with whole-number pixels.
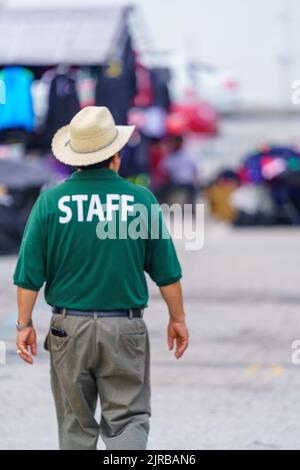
[
  {"x": 95, "y": 316},
  {"x": 130, "y": 314},
  {"x": 64, "y": 312}
]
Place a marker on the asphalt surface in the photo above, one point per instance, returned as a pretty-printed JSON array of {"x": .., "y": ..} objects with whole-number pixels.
[{"x": 236, "y": 387}]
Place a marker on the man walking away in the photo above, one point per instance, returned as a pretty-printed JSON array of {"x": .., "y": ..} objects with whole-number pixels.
[{"x": 95, "y": 283}]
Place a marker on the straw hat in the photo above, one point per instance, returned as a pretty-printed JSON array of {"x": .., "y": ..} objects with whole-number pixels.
[{"x": 91, "y": 137}]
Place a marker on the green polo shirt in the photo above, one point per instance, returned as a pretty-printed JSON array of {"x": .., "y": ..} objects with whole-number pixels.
[{"x": 91, "y": 239}]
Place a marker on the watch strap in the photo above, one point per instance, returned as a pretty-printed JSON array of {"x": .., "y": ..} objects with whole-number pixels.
[{"x": 22, "y": 326}]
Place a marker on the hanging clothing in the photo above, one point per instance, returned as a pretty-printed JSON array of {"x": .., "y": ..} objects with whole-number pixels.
[
  {"x": 40, "y": 97},
  {"x": 117, "y": 85},
  {"x": 63, "y": 103},
  {"x": 114, "y": 90},
  {"x": 40, "y": 90},
  {"x": 17, "y": 112},
  {"x": 134, "y": 159},
  {"x": 160, "y": 90},
  {"x": 144, "y": 95},
  {"x": 86, "y": 85}
]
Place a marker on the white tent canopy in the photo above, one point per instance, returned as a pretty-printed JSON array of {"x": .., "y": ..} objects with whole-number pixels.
[{"x": 85, "y": 36}]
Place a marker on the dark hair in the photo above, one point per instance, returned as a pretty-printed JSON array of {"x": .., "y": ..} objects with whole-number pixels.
[
  {"x": 97, "y": 166},
  {"x": 175, "y": 141},
  {"x": 178, "y": 141}
]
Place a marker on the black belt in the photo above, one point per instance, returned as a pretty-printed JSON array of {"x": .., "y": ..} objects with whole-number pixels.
[{"x": 130, "y": 313}]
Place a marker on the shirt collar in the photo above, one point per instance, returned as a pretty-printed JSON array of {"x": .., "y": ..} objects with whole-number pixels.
[{"x": 104, "y": 173}]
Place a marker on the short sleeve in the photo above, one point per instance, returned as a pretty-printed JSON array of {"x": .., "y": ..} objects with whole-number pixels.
[
  {"x": 30, "y": 272},
  {"x": 161, "y": 261}
]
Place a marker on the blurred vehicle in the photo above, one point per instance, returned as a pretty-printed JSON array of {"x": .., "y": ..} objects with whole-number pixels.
[
  {"x": 219, "y": 87},
  {"x": 190, "y": 111},
  {"x": 195, "y": 116}
]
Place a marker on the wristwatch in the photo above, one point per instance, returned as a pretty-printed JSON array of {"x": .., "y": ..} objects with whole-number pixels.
[{"x": 22, "y": 326}]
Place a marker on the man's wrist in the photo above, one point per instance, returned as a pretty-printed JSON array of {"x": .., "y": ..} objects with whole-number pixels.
[
  {"x": 178, "y": 319},
  {"x": 21, "y": 326}
]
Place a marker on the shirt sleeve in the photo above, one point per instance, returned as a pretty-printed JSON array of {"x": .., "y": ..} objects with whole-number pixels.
[
  {"x": 161, "y": 261},
  {"x": 30, "y": 272}
]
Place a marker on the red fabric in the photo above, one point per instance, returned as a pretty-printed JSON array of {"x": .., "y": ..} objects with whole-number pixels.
[
  {"x": 157, "y": 154},
  {"x": 197, "y": 117},
  {"x": 144, "y": 96}
]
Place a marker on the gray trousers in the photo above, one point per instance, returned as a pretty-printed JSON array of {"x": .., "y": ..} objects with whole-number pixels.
[{"x": 105, "y": 357}]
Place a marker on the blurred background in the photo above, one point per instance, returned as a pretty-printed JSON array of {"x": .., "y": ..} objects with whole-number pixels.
[{"x": 212, "y": 88}]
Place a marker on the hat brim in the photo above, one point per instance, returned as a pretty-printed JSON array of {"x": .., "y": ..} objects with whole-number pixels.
[{"x": 64, "y": 153}]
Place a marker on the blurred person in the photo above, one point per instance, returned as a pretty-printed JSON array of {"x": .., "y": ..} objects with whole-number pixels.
[
  {"x": 181, "y": 169},
  {"x": 159, "y": 181},
  {"x": 98, "y": 341},
  {"x": 219, "y": 195}
]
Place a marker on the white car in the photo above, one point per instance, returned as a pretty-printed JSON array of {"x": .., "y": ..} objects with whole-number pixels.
[{"x": 218, "y": 87}]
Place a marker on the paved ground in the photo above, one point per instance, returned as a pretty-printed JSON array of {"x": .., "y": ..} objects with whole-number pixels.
[{"x": 235, "y": 388}]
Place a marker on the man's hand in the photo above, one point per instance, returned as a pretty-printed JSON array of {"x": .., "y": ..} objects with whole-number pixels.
[
  {"x": 26, "y": 339},
  {"x": 178, "y": 332}
]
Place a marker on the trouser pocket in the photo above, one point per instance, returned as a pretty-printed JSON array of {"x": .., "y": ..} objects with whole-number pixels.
[
  {"x": 46, "y": 342},
  {"x": 133, "y": 349},
  {"x": 57, "y": 345}
]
